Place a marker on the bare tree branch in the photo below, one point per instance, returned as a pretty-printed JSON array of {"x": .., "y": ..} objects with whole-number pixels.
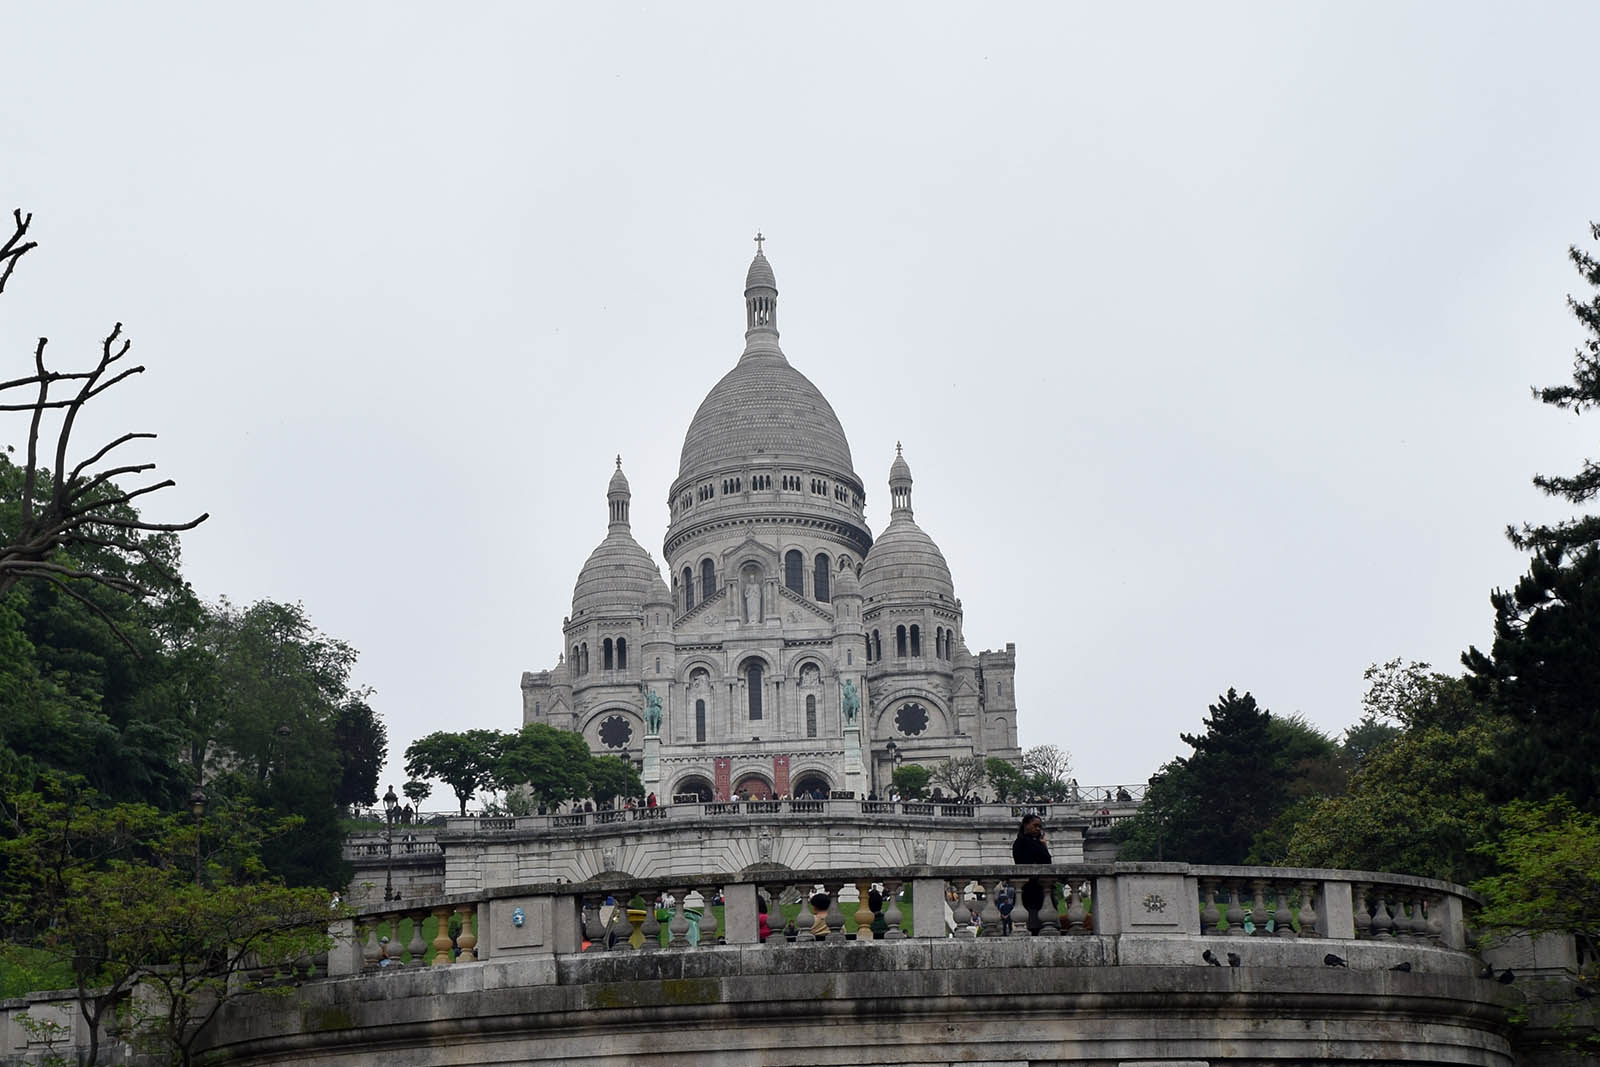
[{"x": 76, "y": 514}]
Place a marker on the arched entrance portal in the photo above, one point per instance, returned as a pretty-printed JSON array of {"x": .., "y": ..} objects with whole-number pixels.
[
  {"x": 754, "y": 784},
  {"x": 695, "y": 786},
  {"x": 811, "y": 786}
]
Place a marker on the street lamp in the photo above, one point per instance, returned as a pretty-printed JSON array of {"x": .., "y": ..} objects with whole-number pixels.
[
  {"x": 197, "y": 804},
  {"x": 390, "y": 803}
]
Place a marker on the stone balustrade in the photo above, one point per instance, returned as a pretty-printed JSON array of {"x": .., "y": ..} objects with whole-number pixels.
[{"x": 615, "y": 913}]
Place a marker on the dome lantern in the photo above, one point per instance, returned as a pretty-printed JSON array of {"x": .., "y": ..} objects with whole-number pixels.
[
  {"x": 760, "y": 295},
  {"x": 618, "y": 496},
  {"x": 900, "y": 484}
]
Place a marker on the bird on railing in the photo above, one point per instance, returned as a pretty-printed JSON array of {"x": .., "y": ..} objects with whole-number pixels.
[
  {"x": 1487, "y": 972},
  {"x": 1330, "y": 960},
  {"x": 1233, "y": 959},
  {"x": 1209, "y": 958},
  {"x": 1507, "y": 976},
  {"x": 1404, "y": 967}
]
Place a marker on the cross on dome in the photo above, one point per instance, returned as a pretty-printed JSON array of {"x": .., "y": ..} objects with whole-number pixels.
[{"x": 759, "y": 239}]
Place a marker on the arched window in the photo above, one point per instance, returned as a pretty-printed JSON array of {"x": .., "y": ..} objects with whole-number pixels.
[
  {"x": 916, "y": 640},
  {"x": 622, "y": 653},
  {"x": 708, "y": 579},
  {"x": 877, "y": 645},
  {"x": 606, "y": 663},
  {"x": 811, "y": 716},
  {"x": 576, "y": 663},
  {"x": 794, "y": 571},
  {"x": 753, "y": 684},
  {"x": 938, "y": 642},
  {"x": 585, "y": 648},
  {"x": 819, "y": 580},
  {"x": 900, "y": 641},
  {"x": 700, "y": 721},
  {"x": 688, "y": 589}
]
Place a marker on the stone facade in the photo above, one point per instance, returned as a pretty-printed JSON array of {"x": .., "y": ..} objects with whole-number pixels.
[{"x": 791, "y": 654}]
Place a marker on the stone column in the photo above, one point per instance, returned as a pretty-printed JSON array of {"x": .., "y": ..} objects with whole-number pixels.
[
  {"x": 855, "y": 772},
  {"x": 739, "y": 923},
  {"x": 927, "y": 908},
  {"x": 652, "y": 766}
]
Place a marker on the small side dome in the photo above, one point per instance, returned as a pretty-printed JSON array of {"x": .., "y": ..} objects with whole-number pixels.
[
  {"x": 905, "y": 564},
  {"x": 659, "y": 593},
  {"x": 619, "y": 576}
]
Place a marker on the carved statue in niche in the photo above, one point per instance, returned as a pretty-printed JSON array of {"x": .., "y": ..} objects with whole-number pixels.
[
  {"x": 809, "y": 675},
  {"x": 652, "y": 713},
  {"x": 752, "y": 599}
]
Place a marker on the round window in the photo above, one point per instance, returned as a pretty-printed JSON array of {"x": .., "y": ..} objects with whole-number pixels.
[
  {"x": 615, "y": 732},
  {"x": 911, "y": 719}
]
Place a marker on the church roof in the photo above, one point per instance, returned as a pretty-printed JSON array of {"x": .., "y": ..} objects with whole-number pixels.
[
  {"x": 763, "y": 406},
  {"x": 905, "y": 563},
  {"x": 619, "y": 575}
]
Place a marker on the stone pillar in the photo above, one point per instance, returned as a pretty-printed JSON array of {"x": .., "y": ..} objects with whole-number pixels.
[
  {"x": 780, "y": 775},
  {"x": 1338, "y": 911},
  {"x": 927, "y": 908},
  {"x": 722, "y": 788},
  {"x": 652, "y": 766},
  {"x": 345, "y": 957},
  {"x": 855, "y": 772},
  {"x": 739, "y": 923}
]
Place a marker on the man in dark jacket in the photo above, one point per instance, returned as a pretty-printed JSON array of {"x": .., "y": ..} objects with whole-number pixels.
[{"x": 1030, "y": 847}]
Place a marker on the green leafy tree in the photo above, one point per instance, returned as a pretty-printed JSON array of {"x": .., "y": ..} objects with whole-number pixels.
[
  {"x": 960, "y": 775},
  {"x": 1548, "y": 855},
  {"x": 362, "y": 742},
  {"x": 463, "y": 761},
  {"x": 613, "y": 776},
  {"x": 126, "y": 896},
  {"x": 417, "y": 791},
  {"x": 553, "y": 765},
  {"x": 911, "y": 779},
  {"x": 1209, "y": 807},
  {"x": 1006, "y": 779}
]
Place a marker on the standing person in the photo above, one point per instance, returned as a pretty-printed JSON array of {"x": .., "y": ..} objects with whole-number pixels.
[{"x": 1031, "y": 847}]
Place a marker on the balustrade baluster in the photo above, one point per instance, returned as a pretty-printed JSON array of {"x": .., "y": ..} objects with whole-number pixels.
[
  {"x": 961, "y": 915},
  {"x": 708, "y": 917},
  {"x": 371, "y": 951},
  {"x": 1416, "y": 925},
  {"x": 1042, "y": 923},
  {"x": 864, "y": 914},
  {"x": 835, "y": 915},
  {"x": 443, "y": 943},
  {"x": 1210, "y": 916},
  {"x": 1435, "y": 918},
  {"x": 1259, "y": 916},
  {"x": 990, "y": 921},
  {"x": 1382, "y": 923},
  {"x": 891, "y": 911},
  {"x": 678, "y": 924},
  {"x": 1283, "y": 918},
  {"x": 1076, "y": 912},
  {"x": 594, "y": 925},
  {"x": 632, "y": 924},
  {"x": 776, "y": 924},
  {"x": 416, "y": 946},
  {"x": 650, "y": 930},
  {"x": 467, "y": 941},
  {"x": 1308, "y": 912},
  {"x": 1235, "y": 889},
  {"x": 805, "y": 919}
]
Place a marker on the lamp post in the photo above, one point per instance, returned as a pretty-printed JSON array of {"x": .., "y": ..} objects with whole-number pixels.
[
  {"x": 197, "y": 804},
  {"x": 390, "y": 803}
]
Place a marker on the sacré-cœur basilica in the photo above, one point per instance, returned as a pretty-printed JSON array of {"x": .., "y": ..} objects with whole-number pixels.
[{"x": 793, "y": 653}]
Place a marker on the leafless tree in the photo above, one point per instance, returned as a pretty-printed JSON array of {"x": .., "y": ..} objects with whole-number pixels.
[
  {"x": 62, "y": 509},
  {"x": 961, "y": 775},
  {"x": 1052, "y": 762}
]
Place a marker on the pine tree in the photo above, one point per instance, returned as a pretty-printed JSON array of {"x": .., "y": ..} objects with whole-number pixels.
[{"x": 1544, "y": 666}]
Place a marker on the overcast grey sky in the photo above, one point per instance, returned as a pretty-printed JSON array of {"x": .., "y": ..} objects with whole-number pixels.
[{"x": 1208, "y": 328}]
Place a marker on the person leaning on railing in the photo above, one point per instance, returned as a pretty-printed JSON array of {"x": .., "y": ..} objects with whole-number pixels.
[{"x": 1030, "y": 847}]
